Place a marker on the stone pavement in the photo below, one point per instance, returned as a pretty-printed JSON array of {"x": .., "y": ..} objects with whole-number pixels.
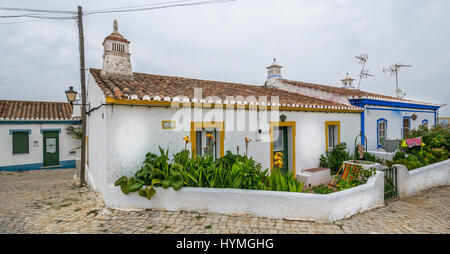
[{"x": 49, "y": 202}]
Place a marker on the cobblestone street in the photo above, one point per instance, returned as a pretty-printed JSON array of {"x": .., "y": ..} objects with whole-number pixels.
[{"x": 49, "y": 202}]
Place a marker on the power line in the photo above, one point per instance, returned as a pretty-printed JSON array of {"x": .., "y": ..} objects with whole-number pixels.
[
  {"x": 161, "y": 7},
  {"x": 36, "y": 10},
  {"x": 143, "y": 5}
]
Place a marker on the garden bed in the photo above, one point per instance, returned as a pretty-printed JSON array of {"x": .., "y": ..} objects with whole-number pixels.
[{"x": 269, "y": 204}]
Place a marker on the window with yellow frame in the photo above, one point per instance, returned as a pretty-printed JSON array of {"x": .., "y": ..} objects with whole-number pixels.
[{"x": 332, "y": 134}]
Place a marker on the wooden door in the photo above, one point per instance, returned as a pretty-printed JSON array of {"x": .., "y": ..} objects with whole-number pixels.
[{"x": 51, "y": 148}]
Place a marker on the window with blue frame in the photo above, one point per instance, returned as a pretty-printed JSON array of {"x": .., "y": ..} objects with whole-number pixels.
[
  {"x": 381, "y": 131},
  {"x": 425, "y": 122}
]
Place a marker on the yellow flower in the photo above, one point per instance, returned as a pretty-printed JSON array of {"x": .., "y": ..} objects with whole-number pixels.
[
  {"x": 210, "y": 136},
  {"x": 279, "y": 154},
  {"x": 404, "y": 144}
]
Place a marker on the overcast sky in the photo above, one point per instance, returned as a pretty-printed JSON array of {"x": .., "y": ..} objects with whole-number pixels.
[{"x": 316, "y": 41}]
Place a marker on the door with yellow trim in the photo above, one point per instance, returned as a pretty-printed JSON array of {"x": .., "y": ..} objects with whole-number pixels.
[{"x": 280, "y": 148}]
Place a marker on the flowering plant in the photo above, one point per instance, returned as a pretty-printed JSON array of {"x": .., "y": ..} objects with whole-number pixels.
[
  {"x": 186, "y": 140},
  {"x": 278, "y": 159},
  {"x": 247, "y": 141}
]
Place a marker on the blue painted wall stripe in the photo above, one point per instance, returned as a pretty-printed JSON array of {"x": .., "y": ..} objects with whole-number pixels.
[
  {"x": 355, "y": 102},
  {"x": 363, "y": 128},
  {"x": 402, "y": 110},
  {"x": 37, "y": 166},
  {"x": 19, "y": 130},
  {"x": 44, "y": 130}
]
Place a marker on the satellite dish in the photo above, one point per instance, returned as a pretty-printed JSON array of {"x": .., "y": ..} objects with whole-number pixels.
[{"x": 400, "y": 93}]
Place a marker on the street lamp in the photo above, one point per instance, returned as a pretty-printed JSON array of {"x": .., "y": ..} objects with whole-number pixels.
[{"x": 71, "y": 95}]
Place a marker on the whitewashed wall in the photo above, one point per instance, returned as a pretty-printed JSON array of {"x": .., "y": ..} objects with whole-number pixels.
[
  {"x": 67, "y": 143},
  {"x": 414, "y": 181},
  {"x": 394, "y": 123},
  {"x": 97, "y": 139},
  {"x": 269, "y": 204},
  {"x": 131, "y": 132}
]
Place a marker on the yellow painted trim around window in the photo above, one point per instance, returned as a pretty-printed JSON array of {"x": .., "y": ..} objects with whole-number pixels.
[
  {"x": 168, "y": 128},
  {"x": 112, "y": 100},
  {"x": 199, "y": 125},
  {"x": 327, "y": 123},
  {"x": 278, "y": 124}
]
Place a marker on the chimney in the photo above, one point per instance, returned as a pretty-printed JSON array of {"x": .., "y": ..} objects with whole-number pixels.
[
  {"x": 274, "y": 71},
  {"x": 347, "y": 82},
  {"x": 116, "y": 56}
]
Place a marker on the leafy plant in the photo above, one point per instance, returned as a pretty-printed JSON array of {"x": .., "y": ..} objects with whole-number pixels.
[
  {"x": 231, "y": 171},
  {"x": 435, "y": 148},
  {"x": 322, "y": 189},
  {"x": 334, "y": 159},
  {"x": 356, "y": 176}
]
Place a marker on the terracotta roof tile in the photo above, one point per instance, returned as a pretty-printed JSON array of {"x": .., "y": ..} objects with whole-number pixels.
[
  {"x": 350, "y": 93},
  {"x": 158, "y": 87},
  {"x": 28, "y": 110}
]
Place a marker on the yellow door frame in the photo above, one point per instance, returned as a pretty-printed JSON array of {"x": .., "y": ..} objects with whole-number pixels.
[
  {"x": 199, "y": 125},
  {"x": 280, "y": 124},
  {"x": 327, "y": 123}
]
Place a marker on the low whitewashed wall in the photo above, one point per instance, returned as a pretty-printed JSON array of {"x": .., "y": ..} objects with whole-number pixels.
[
  {"x": 269, "y": 204},
  {"x": 410, "y": 182}
]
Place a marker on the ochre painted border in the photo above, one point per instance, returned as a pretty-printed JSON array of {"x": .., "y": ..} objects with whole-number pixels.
[
  {"x": 111, "y": 100},
  {"x": 289, "y": 124},
  {"x": 338, "y": 123},
  {"x": 197, "y": 125},
  {"x": 168, "y": 121}
]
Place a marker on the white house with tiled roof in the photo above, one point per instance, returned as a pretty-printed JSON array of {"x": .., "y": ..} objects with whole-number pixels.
[
  {"x": 37, "y": 135},
  {"x": 383, "y": 117},
  {"x": 140, "y": 112}
]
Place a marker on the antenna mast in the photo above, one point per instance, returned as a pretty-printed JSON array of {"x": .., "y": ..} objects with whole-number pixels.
[
  {"x": 394, "y": 69},
  {"x": 364, "y": 73}
]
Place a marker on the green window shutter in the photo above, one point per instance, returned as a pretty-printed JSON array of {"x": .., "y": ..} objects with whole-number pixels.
[{"x": 20, "y": 142}]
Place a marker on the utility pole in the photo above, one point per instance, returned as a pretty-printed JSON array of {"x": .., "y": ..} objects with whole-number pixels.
[{"x": 83, "y": 97}]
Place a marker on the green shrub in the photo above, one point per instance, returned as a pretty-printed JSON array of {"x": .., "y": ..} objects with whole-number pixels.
[
  {"x": 231, "y": 171},
  {"x": 334, "y": 159},
  {"x": 436, "y": 149},
  {"x": 357, "y": 176},
  {"x": 322, "y": 189}
]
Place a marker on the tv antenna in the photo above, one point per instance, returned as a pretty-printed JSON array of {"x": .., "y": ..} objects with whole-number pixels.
[
  {"x": 364, "y": 73},
  {"x": 394, "y": 69}
]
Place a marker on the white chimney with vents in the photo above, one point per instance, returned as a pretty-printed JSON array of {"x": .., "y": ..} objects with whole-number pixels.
[
  {"x": 116, "y": 56},
  {"x": 347, "y": 82},
  {"x": 274, "y": 71}
]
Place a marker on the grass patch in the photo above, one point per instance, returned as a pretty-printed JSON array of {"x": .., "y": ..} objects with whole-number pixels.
[
  {"x": 76, "y": 210},
  {"x": 208, "y": 227},
  {"x": 166, "y": 227},
  {"x": 199, "y": 217},
  {"x": 149, "y": 227}
]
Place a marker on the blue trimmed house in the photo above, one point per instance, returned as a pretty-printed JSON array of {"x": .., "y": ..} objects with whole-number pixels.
[
  {"x": 37, "y": 135},
  {"x": 383, "y": 118}
]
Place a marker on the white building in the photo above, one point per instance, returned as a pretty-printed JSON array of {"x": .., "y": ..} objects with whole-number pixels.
[
  {"x": 37, "y": 135},
  {"x": 140, "y": 112},
  {"x": 383, "y": 117}
]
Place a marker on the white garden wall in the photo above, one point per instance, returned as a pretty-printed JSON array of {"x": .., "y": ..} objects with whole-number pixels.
[
  {"x": 414, "y": 181},
  {"x": 269, "y": 204}
]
